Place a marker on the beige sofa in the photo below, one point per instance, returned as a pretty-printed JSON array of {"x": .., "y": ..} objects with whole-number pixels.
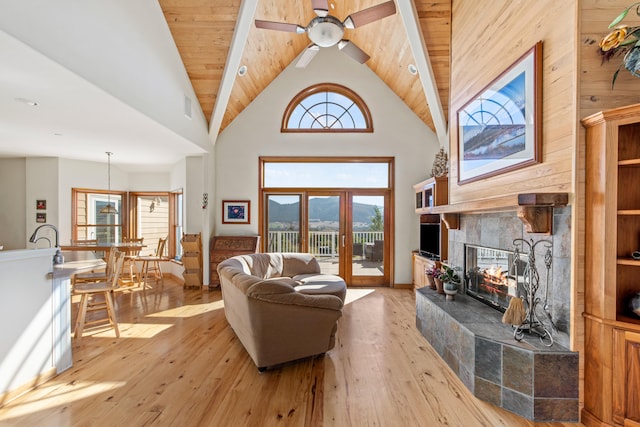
[{"x": 280, "y": 306}]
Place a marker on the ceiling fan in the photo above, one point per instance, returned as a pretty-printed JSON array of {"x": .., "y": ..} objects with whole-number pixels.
[{"x": 326, "y": 30}]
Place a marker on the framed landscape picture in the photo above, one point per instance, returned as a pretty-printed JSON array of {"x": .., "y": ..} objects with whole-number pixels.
[
  {"x": 499, "y": 130},
  {"x": 235, "y": 211}
]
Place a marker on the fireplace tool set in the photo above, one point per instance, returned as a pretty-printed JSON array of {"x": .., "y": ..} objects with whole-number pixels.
[{"x": 530, "y": 284}]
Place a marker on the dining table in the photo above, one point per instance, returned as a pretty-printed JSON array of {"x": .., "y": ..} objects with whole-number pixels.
[{"x": 104, "y": 247}]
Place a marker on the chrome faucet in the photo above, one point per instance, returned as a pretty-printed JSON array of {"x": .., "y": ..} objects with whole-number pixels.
[
  {"x": 57, "y": 258},
  {"x": 34, "y": 236}
]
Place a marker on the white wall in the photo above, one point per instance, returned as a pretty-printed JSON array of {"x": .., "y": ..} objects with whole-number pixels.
[
  {"x": 13, "y": 203},
  {"x": 123, "y": 47},
  {"x": 397, "y": 133},
  {"x": 42, "y": 184}
]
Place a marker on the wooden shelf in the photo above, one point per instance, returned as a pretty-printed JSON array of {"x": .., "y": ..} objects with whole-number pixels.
[
  {"x": 628, "y": 261},
  {"x": 629, "y": 162},
  {"x": 612, "y": 341},
  {"x": 535, "y": 210}
]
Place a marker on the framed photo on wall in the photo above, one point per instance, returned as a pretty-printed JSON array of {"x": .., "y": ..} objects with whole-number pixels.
[
  {"x": 499, "y": 130},
  {"x": 41, "y": 205},
  {"x": 236, "y": 211},
  {"x": 41, "y": 217}
]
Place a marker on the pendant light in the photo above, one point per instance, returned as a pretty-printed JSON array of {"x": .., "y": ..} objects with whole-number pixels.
[{"x": 109, "y": 209}]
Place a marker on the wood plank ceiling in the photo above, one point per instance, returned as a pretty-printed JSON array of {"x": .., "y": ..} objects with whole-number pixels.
[{"x": 203, "y": 32}]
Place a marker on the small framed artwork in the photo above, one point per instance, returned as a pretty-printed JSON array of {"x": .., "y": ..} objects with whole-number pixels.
[
  {"x": 41, "y": 205},
  {"x": 41, "y": 217},
  {"x": 499, "y": 130},
  {"x": 235, "y": 211}
]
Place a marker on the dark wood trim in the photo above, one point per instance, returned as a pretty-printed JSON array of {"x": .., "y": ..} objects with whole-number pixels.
[{"x": 327, "y": 87}]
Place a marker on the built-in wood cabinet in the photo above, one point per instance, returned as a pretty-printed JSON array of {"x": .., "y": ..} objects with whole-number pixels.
[
  {"x": 420, "y": 267},
  {"x": 431, "y": 192},
  {"x": 612, "y": 330}
]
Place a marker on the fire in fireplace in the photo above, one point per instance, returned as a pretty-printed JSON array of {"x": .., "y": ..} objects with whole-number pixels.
[{"x": 491, "y": 274}]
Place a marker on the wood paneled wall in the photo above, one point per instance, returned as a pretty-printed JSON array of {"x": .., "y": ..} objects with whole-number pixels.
[
  {"x": 596, "y": 93},
  {"x": 486, "y": 40}
]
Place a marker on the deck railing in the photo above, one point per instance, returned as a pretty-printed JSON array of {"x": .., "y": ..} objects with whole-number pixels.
[{"x": 321, "y": 243}]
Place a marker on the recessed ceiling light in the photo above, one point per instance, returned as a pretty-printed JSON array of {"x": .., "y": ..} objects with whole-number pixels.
[
  {"x": 242, "y": 70},
  {"x": 30, "y": 102},
  {"x": 412, "y": 69}
]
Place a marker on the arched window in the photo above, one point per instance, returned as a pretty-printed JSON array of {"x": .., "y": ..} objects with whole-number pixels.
[{"x": 327, "y": 107}]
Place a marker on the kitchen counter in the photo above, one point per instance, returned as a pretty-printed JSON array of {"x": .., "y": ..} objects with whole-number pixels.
[
  {"x": 35, "y": 316},
  {"x": 76, "y": 262}
]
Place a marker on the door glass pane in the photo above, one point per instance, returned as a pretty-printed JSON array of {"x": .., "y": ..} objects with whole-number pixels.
[
  {"x": 368, "y": 236},
  {"x": 283, "y": 223},
  {"x": 324, "y": 230}
]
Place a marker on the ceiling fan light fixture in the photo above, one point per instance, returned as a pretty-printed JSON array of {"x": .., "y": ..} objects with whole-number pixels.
[{"x": 325, "y": 31}]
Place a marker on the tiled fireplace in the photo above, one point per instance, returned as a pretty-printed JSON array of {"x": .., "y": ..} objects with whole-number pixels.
[{"x": 526, "y": 377}]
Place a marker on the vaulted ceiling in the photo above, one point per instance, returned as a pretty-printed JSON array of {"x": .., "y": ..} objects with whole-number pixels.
[{"x": 216, "y": 37}]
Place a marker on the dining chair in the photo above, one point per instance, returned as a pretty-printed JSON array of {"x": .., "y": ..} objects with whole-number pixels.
[
  {"x": 130, "y": 264},
  {"x": 151, "y": 262},
  {"x": 89, "y": 303},
  {"x": 95, "y": 276},
  {"x": 88, "y": 242}
]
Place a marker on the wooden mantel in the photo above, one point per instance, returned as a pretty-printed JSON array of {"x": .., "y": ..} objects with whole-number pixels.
[{"x": 535, "y": 210}]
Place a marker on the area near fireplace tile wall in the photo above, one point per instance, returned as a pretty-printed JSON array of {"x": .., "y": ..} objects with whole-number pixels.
[
  {"x": 498, "y": 230},
  {"x": 526, "y": 377}
]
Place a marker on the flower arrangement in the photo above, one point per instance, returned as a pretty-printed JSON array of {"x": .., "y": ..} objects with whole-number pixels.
[
  {"x": 433, "y": 271},
  {"x": 623, "y": 41}
]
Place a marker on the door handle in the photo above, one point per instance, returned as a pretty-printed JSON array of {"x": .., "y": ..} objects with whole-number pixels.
[{"x": 344, "y": 240}]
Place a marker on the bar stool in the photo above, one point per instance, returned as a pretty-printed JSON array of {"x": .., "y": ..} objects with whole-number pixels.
[{"x": 88, "y": 291}]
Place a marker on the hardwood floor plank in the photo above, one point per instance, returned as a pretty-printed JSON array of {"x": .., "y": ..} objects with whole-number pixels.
[{"x": 178, "y": 363}]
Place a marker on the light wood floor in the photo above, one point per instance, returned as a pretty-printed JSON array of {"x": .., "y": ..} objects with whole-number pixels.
[{"x": 177, "y": 363}]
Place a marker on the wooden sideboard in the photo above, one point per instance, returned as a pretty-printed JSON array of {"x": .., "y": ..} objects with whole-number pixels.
[{"x": 223, "y": 247}]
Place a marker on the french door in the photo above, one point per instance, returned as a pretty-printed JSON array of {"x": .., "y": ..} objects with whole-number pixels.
[{"x": 347, "y": 231}]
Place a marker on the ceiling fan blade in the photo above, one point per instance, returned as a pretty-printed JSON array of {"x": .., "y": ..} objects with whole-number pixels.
[
  {"x": 369, "y": 15},
  {"x": 320, "y": 7},
  {"x": 353, "y": 51},
  {"x": 279, "y": 26},
  {"x": 307, "y": 55}
]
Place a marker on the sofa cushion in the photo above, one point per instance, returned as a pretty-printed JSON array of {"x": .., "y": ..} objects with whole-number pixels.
[
  {"x": 298, "y": 263},
  {"x": 327, "y": 284}
]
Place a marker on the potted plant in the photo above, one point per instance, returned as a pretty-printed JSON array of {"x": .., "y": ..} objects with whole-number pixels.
[
  {"x": 437, "y": 278},
  {"x": 431, "y": 272},
  {"x": 450, "y": 281}
]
